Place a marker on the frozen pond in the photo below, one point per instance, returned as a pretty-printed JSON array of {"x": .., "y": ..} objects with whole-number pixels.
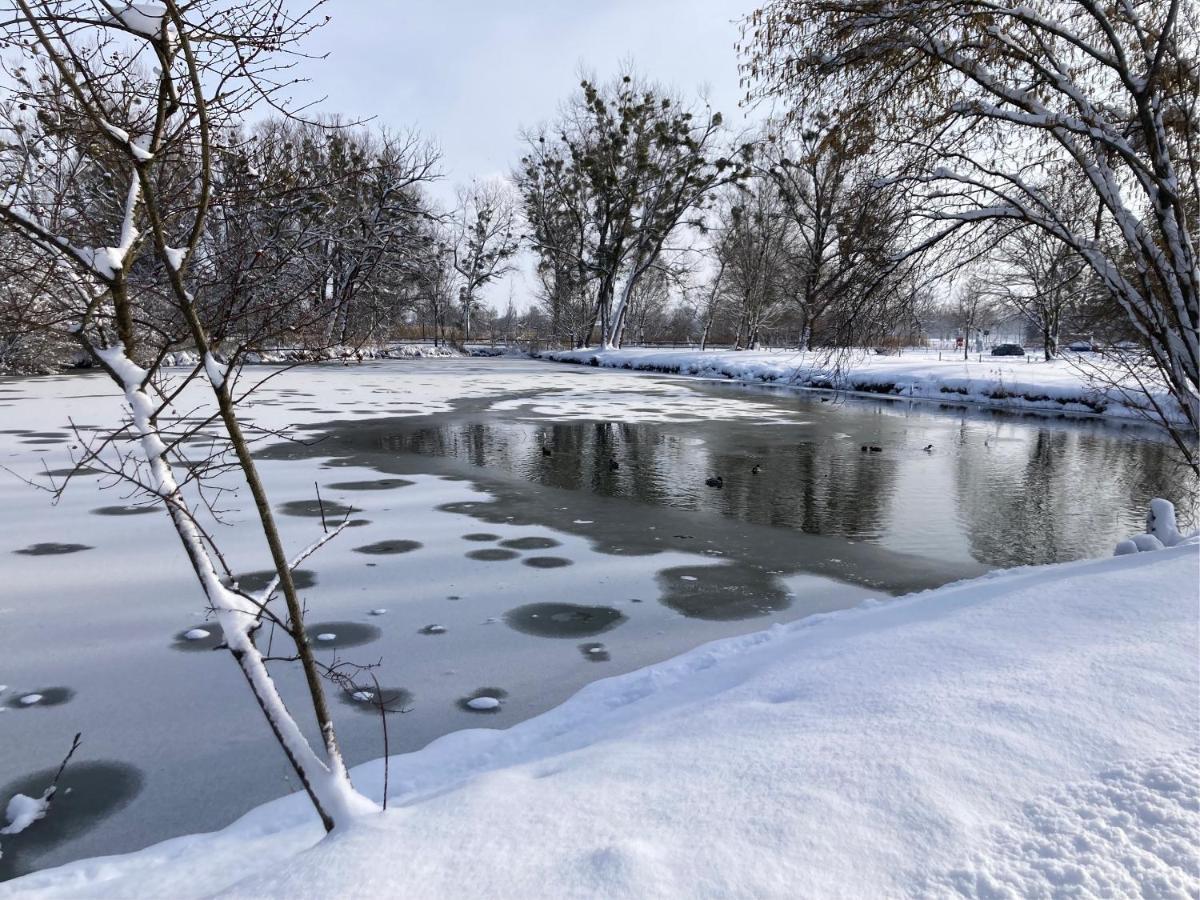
[{"x": 521, "y": 528}]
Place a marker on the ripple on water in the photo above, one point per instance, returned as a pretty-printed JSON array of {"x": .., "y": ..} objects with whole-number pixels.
[
  {"x": 96, "y": 789},
  {"x": 563, "y": 620}
]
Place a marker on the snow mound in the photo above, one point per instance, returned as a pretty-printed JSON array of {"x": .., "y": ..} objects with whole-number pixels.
[
  {"x": 23, "y": 811},
  {"x": 1028, "y": 733},
  {"x": 1096, "y": 387},
  {"x": 1162, "y": 531}
]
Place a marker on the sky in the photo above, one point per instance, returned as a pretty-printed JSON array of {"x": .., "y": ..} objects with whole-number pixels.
[{"x": 470, "y": 74}]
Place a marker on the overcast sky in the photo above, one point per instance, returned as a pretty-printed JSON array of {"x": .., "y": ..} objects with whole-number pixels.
[{"x": 469, "y": 74}]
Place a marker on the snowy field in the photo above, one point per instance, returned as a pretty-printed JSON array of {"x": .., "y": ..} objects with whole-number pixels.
[
  {"x": 478, "y": 567},
  {"x": 1079, "y": 383},
  {"x": 1029, "y": 734}
]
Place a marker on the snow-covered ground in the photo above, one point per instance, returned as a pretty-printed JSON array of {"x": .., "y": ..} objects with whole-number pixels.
[
  {"x": 1032, "y": 733},
  {"x": 1076, "y": 383}
]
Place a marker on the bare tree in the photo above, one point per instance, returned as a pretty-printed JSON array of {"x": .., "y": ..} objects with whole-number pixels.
[
  {"x": 626, "y": 164},
  {"x": 1040, "y": 278},
  {"x": 483, "y": 242},
  {"x": 756, "y": 244},
  {"x": 848, "y": 228},
  {"x": 113, "y": 125},
  {"x": 997, "y": 103}
]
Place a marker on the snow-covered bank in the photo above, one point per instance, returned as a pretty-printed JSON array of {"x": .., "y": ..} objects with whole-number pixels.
[
  {"x": 1021, "y": 734},
  {"x": 1081, "y": 384}
]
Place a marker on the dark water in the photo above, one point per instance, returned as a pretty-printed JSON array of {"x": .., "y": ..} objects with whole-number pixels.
[{"x": 994, "y": 489}]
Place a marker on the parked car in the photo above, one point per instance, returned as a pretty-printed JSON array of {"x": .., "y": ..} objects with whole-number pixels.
[
  {"x": 1008, "y": 350},
  {"x": 1080, "y": 347}
]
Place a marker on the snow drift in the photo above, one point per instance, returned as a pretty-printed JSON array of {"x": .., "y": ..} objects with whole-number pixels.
[
  {"x": 1027, "y": 733},
  {"x": 1064, "y": 385}
]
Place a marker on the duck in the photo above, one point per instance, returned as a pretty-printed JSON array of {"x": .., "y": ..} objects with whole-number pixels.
[
  {"x": 717, "y": 482},
  {"x": 546, "y": 451},
  {"x": 875, "y": 449},
  {"x": 757, "y": 468},
  {"x": 613, "y": 465},
  {"x": 929, "y": 448}
]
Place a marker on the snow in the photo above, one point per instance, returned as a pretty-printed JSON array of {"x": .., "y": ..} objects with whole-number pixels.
[
  {"x": 1029, "y": 733},
  {"x": 483, "y": 703},
  {"x": 175, "y": 257},
  {"x": 145, "y": 19},
  {"x": 30, "y": 699},
  {"x": 1074, "y": 383},
  {"x": 195, "y": 634},
  {"x": 23, "y": 811},
  {"x": 327, "y": 636}
]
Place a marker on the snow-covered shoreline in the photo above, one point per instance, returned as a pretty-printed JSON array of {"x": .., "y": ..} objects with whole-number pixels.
[
  {"x": 1066, "y": 385},
  {"x": 1023, "y": 733}
]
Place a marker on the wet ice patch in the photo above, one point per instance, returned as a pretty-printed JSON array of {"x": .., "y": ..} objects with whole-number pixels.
[
  {"x": 330, "y": 509},
  {"x": 389, "y": 547},
  {"x": 88, "y": 792},
  {"x": 594, "y": 652},
  {"x": 123, "y": 510},
  {"x": 342, "y": 634},
  {"x": 530, "y": 543},
  {"x": 563, "y": 620},
  {"x": 492, "y": 554},
  {"x": 484, "y": 700},
  {"x": 206, "y": 636},
  {"x": 52, "y": 549},
  {"x": 46, "y": 696},
  {"x": 256, "y": 581},
  {"x": 378, "y": 484},
  {"x": 546, "y": 562},
  {"x": 722, "y": 592},
  {"x": 369, "y": 699}
]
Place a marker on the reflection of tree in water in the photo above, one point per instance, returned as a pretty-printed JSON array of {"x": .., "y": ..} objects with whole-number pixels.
[
  {"x": 809, "y": 486},
  {"x": 803, "y": 486},
  {"x": 1058, "y": 496}
]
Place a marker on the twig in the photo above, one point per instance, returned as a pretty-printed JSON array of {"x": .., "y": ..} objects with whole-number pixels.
[
  {"x": 321, "y": 508},
  {"x": 383, "y": 720}
]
